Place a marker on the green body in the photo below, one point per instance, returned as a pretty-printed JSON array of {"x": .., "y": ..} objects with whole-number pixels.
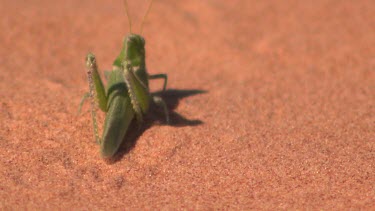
[
  {"x": 126, "y": 95},
  {"x": 119, "y": 114}
]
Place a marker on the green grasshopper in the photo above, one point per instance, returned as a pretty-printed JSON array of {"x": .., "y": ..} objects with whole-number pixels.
[{"x": 127, "y": 94}]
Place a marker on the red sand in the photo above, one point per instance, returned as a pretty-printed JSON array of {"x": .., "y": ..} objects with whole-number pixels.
[{"x": 287, "y": 117}]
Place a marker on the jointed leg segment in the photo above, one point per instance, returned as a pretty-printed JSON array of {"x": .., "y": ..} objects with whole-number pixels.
[
  {"x": 160, "y": 102},
  {"x": 158, "y": 76},
  {"x": 85, "y": 96},
  {"x": 138, "y": 92},
  {"x": 96, "y": 92}
]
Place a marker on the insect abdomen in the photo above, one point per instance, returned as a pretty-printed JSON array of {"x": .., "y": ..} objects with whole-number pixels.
[
  {"x": 118, "y": 119},
  {"x": 119, "y": 115}
]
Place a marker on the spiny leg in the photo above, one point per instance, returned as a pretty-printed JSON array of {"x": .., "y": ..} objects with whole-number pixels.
[
  {"x": 160, "y": 102},
  {"x": 85, "y": 96},
  {"x": 138, "y": 92},
  {"x": 96, "y": 91},
  {"x": 98, "y": 87},
  {"x": 157, "y": 76}
]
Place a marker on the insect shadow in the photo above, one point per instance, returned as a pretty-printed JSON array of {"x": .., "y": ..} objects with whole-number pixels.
[{"x": 157, "y": 116}]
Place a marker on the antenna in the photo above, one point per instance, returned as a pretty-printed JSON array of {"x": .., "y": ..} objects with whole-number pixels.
[
  {"x": 144, "y": 17},
  {"x": 127, "y": 14}
]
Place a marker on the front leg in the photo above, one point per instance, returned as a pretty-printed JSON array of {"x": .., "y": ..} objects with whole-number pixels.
[
  {"x": 157, "y": 76},
  {"x": 160, "y": 102}
]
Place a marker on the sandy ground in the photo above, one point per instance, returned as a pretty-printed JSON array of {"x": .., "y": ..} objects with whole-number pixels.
[{"x": 272, "y": 106}]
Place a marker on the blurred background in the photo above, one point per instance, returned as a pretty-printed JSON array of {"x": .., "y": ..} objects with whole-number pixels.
[{"x": 272, "y": 105}]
